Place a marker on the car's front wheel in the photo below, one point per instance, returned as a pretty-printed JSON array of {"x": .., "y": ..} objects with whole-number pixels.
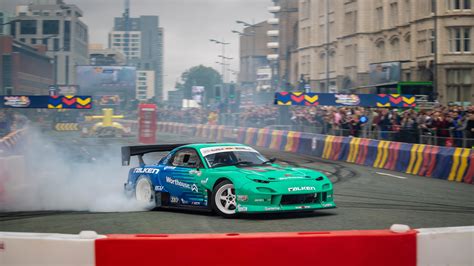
[
  {"x": 224, "y": 200},
  {"x": 144, "y": 191}
]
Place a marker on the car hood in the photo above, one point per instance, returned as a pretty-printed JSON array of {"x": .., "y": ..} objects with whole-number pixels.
[{"x": 274, "y": 173}]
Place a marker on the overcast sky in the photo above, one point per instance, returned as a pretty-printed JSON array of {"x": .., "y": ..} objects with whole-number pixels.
[{"x": 188, "y": 24}]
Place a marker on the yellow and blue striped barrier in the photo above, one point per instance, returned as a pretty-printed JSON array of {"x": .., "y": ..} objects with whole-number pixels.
[{"x": 453, "y": 164}]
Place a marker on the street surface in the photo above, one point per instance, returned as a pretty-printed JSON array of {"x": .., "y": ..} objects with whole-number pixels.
[{"x": 366, "y": 198}]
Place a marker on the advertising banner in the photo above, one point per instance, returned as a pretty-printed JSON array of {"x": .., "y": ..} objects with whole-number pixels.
[
  {"x": 339, "y": 99},
  {"x": 107, "y": 81},
  {"x": 46, "y": 102},
  {"x": 381, "y": 73}
]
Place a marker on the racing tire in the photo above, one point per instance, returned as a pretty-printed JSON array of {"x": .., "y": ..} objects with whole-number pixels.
[
  {"x": 224, "y": 200},
  {"x": 144, "y": 192}
]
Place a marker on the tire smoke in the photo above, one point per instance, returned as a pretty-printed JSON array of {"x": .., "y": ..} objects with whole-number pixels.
[{"x": 63, "y": 175}]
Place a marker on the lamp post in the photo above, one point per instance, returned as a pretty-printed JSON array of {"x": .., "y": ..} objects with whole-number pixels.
[{"x": 223, "y": 43}]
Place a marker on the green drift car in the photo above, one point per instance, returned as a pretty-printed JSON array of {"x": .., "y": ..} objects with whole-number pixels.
[{"x": 227, "y": 178}]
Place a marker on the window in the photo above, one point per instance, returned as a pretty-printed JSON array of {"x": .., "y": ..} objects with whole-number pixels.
[
  {"x": 186, "y": 158},
  {"x": 67, "y": 35},
  {"x": 51, "y": 27},
  {"x": 459, "y": 83},
  {"x": 460, "y": 39},
  {"x": 395, "y": 43},
  {"x": 33, "y": 40},
  {"x": 459, "y": 4},
  {"x": 378, "y": 23},
  {"x": 350, "y": 20},
  {"x": 380, "y": 48},
  {"x": 407, "y": 12},
  {"x": 393, "y": 14},
  {"x": 28, "y": 27},
  {"x": 56, "y": 44}
]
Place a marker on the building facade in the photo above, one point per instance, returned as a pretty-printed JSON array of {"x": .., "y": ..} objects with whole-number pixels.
[
  {"x": 253, "y": 52},
  {"x": 24, "y": 69},
  {"x": 5, "y": 17},
  {"x": 58, "y": 26},
  {"x": 145, "y": 85},
  {"x": 431, "y": 39},
  {"x": 287, "y": 18},
  {"x": 142, "y": 45},
  {"x": 99, "y": 56}
]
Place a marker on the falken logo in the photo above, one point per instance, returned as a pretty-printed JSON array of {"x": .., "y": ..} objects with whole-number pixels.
[
  {"x": 292, "y": 189},
  {"x": 146, "y": 171}
]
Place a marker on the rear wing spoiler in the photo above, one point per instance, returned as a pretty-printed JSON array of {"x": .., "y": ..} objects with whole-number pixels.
[{"x": 128, "y": 151}]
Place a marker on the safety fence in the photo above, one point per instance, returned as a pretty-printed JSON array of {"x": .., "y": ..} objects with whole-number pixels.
[
  {"x": 453, "y": 164},
  {"x": 398, "y": 246},
  {"x": 13, "y": 143}
]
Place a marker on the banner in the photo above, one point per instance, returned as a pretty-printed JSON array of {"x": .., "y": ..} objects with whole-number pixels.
[
  {"x": 338, "y": 99},
  {"x": 46, "y": 102}
]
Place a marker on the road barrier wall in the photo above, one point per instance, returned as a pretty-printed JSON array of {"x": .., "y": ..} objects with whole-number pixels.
[
  {"x": 453, "y": 164},
  {"x": 398, "y": 246},
  {"x": 13, "y": 143}
]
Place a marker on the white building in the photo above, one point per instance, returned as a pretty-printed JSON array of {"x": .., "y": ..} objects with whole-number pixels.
[
  {"x": 145, "y": 84},
  {"x": 129, "y": 43}
]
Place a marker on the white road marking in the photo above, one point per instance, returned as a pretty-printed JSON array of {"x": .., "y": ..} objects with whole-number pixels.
[{"x": 400, "y": 177}]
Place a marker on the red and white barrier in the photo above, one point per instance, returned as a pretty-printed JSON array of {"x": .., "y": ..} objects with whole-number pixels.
[
  {"x": 397, "y": 246},
  {"x": 445, "y": 246},
  {"x": 47, "y": 249}
]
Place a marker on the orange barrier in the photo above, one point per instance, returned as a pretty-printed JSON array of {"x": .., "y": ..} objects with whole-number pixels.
[{"x": 375, "y": 247}]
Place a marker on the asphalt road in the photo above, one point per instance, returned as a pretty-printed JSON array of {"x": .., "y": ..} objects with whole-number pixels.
[{"x": 366, "y": 198}]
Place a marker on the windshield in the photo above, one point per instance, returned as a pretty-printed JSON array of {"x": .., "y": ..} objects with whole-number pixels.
[{"x": 234, "y": 158}]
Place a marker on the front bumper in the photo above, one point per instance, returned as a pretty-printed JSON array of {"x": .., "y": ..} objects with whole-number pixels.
[{"x": 277, "y": 203}]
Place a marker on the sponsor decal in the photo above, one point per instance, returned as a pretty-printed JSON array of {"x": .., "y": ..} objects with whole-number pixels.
[
  {"x": 272, "y": 208},
  {"x": 241, "y": 209},
  {"x": 290, "y": 177},
  {"x": 146, "y": 171},
  {"x": 347, "y": 99},
  {"x": 329, "y": 195},
  {"x": 195, "y": 203},
  {"x": 212, "y": 150},
  {"x": 303, "y": 207},
  {"x": 204, "y": 181},
  {"x": 174, "y": 200},
  {"x": 159, "y": 188},
  {"x": 259, "y": 200},
  {"x": 17, "y": 101},
  {"x": 293, "y": 189},
  {"x": 169, "y": 168},
  {"x": 177, "y": 183},
  {"x": 194, "y": 188},
  {"x": 243, "y": 197},
  {"x": 183, "y": 201},
  {"x": 327, "y": 205}
]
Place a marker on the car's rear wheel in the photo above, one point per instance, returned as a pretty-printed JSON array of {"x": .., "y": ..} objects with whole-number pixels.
[
  {"x": 144, "y": 191},
  {"x": 224, "y": 200}
]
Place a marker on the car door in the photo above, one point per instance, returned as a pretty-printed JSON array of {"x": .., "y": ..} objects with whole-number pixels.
[{"x": 179, "y": 178}]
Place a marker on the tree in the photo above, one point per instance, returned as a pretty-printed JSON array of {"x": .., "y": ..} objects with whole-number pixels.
[{"x": 200, "y": 76}]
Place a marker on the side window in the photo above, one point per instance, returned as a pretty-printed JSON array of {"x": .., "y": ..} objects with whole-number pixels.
[{"x": 186, "y": 158}]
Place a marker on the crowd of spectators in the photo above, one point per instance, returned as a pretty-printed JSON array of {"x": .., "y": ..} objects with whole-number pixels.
[{"x": 440, "y": 125}]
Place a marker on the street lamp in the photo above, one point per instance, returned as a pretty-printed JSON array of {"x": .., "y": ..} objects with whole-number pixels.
[{"x": 223, "y": 43}]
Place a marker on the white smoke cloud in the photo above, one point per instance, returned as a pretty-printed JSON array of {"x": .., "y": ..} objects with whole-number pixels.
[{"x": 52, "y": 177}]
